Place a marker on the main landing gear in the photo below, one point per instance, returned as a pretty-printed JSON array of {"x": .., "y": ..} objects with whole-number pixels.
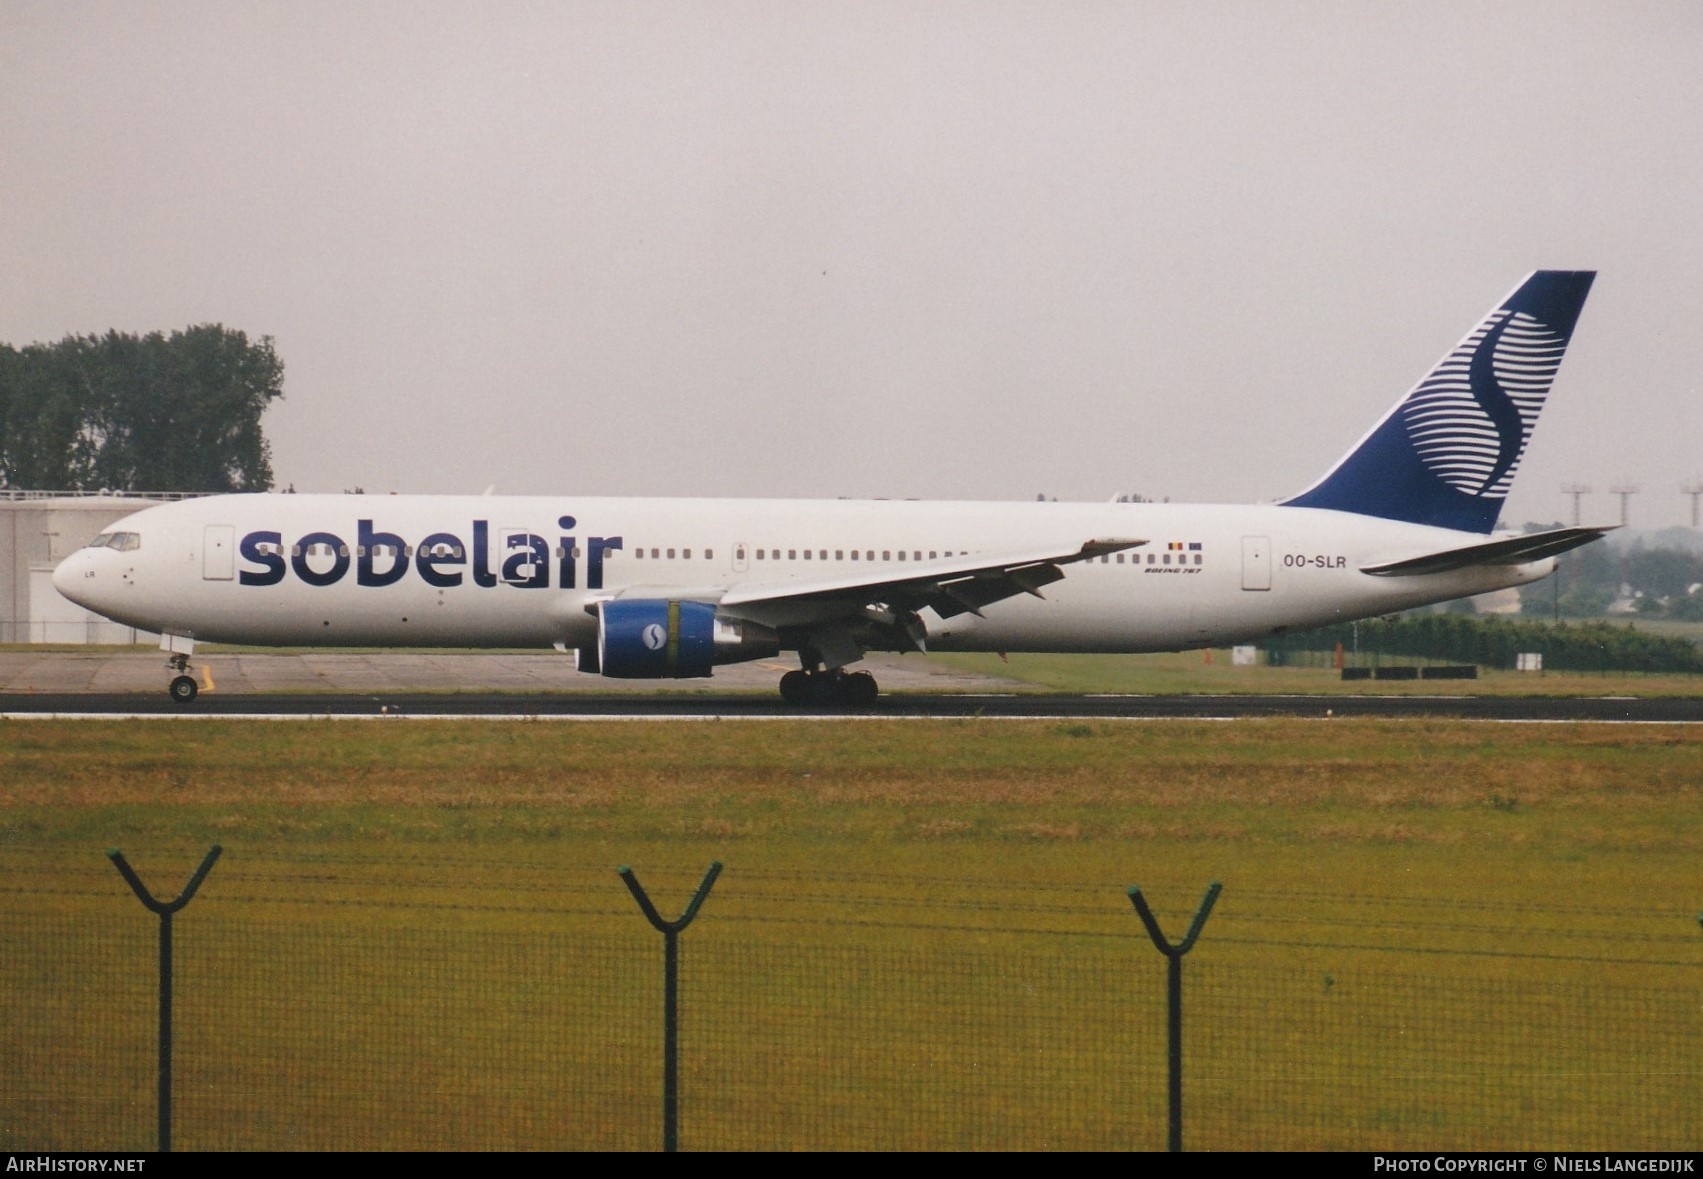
[
  {"x": 829, "y": 687},
  {"x": 183, "y": 687}
]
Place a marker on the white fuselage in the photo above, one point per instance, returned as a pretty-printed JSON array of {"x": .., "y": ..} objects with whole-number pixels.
[{"x": 440, "y": 571}]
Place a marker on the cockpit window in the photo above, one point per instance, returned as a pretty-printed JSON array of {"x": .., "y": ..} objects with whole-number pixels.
[
  {"x": 124, "y": 542},
  {"x": 101, "y": 541}
]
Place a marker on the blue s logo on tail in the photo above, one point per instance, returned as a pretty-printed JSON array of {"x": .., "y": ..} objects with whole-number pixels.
[{"x": 1447, "y": 453}]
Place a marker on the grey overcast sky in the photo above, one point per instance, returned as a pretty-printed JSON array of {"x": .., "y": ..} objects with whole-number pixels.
[{"x": 942, "y": 250}]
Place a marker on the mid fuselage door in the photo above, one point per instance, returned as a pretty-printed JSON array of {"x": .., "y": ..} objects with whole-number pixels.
[
  {"x": 522, "y": 558},
  {"x": 1256, "y": 562}
]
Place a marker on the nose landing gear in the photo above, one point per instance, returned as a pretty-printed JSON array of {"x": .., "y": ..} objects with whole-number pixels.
[{"x": 183, "y": 687}]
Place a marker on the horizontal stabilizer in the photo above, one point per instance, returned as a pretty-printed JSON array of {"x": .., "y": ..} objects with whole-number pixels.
[{"x": 1512, "y": 550}]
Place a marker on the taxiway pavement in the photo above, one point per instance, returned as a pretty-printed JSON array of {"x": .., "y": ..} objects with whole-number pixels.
[{"x": 107, "y": 682}]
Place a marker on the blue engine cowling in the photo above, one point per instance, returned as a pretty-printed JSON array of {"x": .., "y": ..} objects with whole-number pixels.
[
  {"x": 654, "y": 639},
  {"x": 657, "y": 638}
]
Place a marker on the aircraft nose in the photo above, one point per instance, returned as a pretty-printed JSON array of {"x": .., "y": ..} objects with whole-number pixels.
[{"x": 71, "y": 578}]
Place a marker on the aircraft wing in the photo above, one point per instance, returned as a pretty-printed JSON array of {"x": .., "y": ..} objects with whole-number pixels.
[
  {"x": 950, "y": 587},
  {"x": 1510, "y": 550}
]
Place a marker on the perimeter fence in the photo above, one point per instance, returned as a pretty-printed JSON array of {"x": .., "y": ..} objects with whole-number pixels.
[
  {"x": 1595, "y": 646},
  {"x": 335, "y": 1023}
]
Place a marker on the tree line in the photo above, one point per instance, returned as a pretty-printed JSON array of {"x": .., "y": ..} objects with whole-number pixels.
[
  {"x": 1658, "y": 578},
  {"x": 125, "y": 412}
]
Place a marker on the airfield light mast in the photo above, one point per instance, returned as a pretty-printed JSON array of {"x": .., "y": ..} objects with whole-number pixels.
[
  {"x": 1693, "y": 489},
  {"x": 1625, "y": 491},
  {"x": 1575, "y": 490}
]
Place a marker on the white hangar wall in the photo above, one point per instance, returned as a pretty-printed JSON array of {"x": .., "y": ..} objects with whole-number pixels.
[{"x": 38, "y": 529}]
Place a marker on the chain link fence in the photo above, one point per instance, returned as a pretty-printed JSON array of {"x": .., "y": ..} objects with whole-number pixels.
[{"x": 330, "y": 1027}]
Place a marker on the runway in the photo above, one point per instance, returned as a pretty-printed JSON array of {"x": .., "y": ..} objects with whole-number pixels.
[{"x": 752, "y": 706}]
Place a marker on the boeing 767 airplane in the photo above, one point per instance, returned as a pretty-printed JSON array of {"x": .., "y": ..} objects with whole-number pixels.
[{"x": 670, "y": 588}]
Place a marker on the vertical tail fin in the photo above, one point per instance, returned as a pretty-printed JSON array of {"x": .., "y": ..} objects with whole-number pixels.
[{"x": 1447, "y": 453}]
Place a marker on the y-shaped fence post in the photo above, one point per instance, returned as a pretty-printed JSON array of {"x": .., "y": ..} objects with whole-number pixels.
[
  {"x": 165, "y": 909},
  {"x": 670, "y": 994},
  {"x": 1174, "y": 994}
]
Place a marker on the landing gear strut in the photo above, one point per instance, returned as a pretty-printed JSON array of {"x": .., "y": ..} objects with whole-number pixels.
[
  {"x": 829, "y": 687},
  {"x": 183, "y": 686}
]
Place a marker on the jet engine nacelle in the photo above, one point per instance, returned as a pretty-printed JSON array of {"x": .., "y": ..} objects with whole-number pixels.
[{"x": 664, "y": 639}]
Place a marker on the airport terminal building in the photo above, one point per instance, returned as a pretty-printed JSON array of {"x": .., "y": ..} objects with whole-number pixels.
[{"x": 38, "y": 529}]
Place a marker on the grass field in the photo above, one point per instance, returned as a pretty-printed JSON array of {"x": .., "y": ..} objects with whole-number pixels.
[{"x": 1484, "y": 882}]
